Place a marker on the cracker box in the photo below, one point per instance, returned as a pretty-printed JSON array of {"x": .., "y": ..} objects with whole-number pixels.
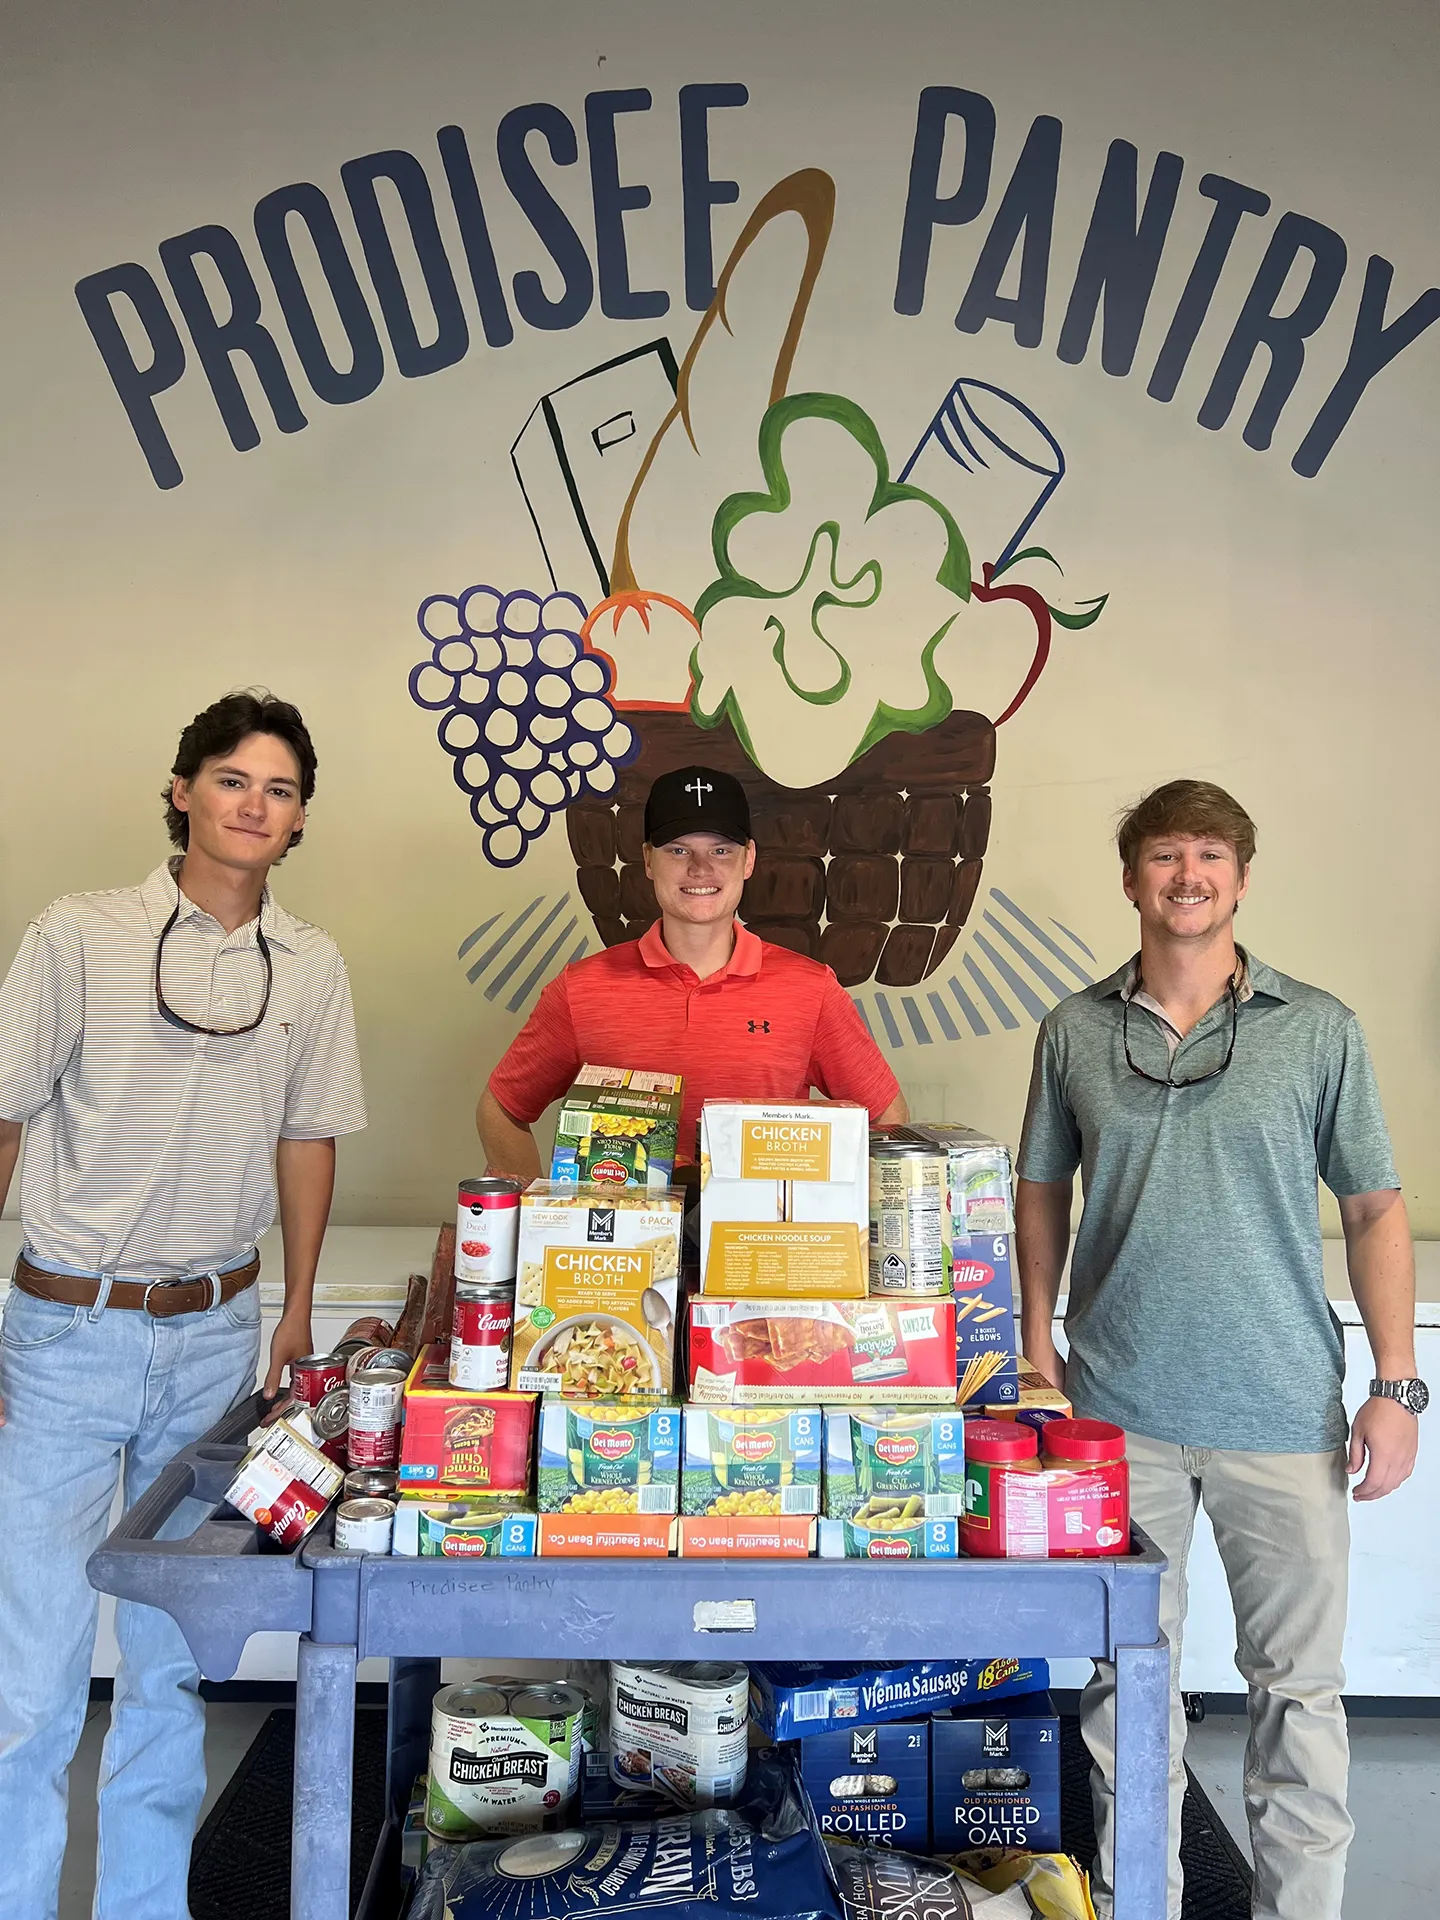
[
  {"x": 781, "y": 1352},
  {"x": 452, "y": 1438},
  {"x": 801, "y": 1697},
  {"x": 892, "y": 1474},
  {"x": 982, "y": 1226},
  {"x": 870, "y": 1785},
  {"x": 609, "y": 1457},
  {"x": 751, "y": 1481},
  {"x": 995, "y": 1777},
  {"x": 464, "y": 1526},
  {"x": 766, "y": 1167},
  {"x": 618, "y": 1127},
  {"x": 595, "y": 1291}
]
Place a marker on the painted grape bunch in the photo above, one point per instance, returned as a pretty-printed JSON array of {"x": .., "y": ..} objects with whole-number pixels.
[{"x": 527, "y": 720}]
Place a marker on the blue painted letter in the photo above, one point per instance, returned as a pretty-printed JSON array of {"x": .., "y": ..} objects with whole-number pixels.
[
  {"x": 700, "y": 192},
  {"x": 137, "y": 386},
  {"x": 1027, "y": 209},
  {"x": 535, "y": 201},
  {"x": 217, "y": 340},
  {"x": 924, "y": 209}
]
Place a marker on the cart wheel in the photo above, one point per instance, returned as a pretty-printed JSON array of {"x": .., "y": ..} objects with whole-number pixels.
[{"x": 1194, "y": 1704}]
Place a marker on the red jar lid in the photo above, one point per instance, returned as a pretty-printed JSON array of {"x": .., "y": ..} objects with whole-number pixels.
[
  {"x": 1091, "y": 1440},
  {"x": 1000, "y": 1441}
]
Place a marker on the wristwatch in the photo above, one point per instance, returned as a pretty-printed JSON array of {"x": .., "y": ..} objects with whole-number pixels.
[{"x": 1413, "y": 1395}]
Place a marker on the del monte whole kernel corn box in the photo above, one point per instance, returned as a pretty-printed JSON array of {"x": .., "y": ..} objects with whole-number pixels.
[
  {"x": 618, "y": 1128},
  {"x": 595, "y": 1291}
]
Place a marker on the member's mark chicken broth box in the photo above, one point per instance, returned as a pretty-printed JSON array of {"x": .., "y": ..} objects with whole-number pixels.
[
  {"x": 595, "y": 1291},
  {"x": 784, "y": 1199}
]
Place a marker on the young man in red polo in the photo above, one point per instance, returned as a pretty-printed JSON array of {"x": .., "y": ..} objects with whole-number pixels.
[{"x": 698, "y": 995}]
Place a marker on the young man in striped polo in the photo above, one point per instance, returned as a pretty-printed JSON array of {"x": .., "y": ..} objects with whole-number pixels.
[{"x": 177, "y": 1051}]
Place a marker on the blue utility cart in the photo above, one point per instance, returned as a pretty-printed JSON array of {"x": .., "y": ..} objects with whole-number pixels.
[{"x": 347, "y": 1607}]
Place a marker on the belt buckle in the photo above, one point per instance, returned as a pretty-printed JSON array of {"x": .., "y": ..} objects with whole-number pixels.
[{"x": 151, "y": 1287}]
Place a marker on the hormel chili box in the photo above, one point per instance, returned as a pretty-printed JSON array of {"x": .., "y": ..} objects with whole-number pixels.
[
  {"x": 609, "y": 1457},
  {"x": 618, "y": 1128},
  {"x": 595, "y": 1292},
  {"x": 778, "y": 1352},
  {"x": 995, "y": 1777},
  {"x": 870, "y": 1785},
  {"x": 766, "y": 1167},
  {"x": 455, "y": 1438}
]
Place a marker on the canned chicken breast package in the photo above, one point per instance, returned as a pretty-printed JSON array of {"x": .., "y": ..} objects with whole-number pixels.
[
  {"x": 595, "y": 1294},
  {"x": 681, "y": 1728},
  {"x": 870, "y": 1785}
]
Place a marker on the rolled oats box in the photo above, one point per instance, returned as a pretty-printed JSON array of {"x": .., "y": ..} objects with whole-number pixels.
[{"x": 595, "y": 1291}]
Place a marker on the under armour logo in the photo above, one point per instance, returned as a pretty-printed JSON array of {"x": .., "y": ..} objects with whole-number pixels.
[
  {"x": 700, "y": 788},
  {"x": 759, "y": 1026}
]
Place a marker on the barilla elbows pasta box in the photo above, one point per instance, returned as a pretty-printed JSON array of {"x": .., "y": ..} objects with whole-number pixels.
[
  {"x": 454, "y": 1438},
  {"x": 595, "y": 1291},
  {"x": 979, "y": 1258},
  {"x": 618, "y": 1128},
  {"x": 779, "y": 1352},
  {"x": 814, "y": 1696},
  {"x": 750, "y": 1483},
  {"x": 609, "y": 1476},
  {"x": 894, "y": 1483},
  {"x": 995, "y": 1777},
  {"x": 784, "y": 1199},
  {"x": 870, "y": 1785}
]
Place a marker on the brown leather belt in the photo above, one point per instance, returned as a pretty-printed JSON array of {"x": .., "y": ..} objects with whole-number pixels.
[{"x": 161, "y": 1299}]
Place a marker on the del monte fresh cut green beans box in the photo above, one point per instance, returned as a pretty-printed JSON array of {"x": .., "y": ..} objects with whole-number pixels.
[
  {"x": 618, "y": 1127},
  {"x": 894, "y": 1483}
]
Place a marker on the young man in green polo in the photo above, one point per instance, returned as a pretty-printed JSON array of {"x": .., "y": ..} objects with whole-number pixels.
[{"x": 1204, "y": 1096}]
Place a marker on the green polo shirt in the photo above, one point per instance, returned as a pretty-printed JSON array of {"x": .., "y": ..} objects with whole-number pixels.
[{"x": 1197, "y": 1306}]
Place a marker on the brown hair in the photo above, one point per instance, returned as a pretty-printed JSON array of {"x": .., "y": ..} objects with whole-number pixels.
[{"x": 1194, "y": 808}]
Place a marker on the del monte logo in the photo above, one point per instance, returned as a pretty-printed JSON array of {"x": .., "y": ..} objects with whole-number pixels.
[
  {"x": 750, "y": 1445},
  {"x": 896, "y": 1449},
  {"x": 612, "y": 1443}
]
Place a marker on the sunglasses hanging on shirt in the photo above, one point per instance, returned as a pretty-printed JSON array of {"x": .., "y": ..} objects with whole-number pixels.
[
  {"x": 1169, "y": 1080},
  {"x": 167, "y": 1012}
]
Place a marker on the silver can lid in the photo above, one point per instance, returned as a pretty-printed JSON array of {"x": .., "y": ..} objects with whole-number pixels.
[
  {"x": 471, "y": 1700},
  {"x": 365, "y": 1510}
]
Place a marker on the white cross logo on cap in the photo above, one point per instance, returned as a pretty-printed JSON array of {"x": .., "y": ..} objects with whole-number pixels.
[{"x": 699, "y": 788}]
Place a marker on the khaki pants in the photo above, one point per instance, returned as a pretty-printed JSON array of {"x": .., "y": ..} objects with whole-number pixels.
[{"x": 1282, "y": 1525}]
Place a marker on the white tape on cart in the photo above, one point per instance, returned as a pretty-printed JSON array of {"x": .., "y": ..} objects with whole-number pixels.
[{"x": 724, "y": 1616}]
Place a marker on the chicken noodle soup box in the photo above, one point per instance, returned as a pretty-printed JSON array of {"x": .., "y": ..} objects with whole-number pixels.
[
  {"x": 798, "y": 1697},
  {"x": 765, "y": 1165},
  {"x": 595, "y": 1291},
  {"x": 618, "y": 1126},
  {"x": 778, "y": 1352}
]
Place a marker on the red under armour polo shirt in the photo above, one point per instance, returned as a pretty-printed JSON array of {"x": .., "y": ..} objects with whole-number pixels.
[{"x": 769, "y": 1026}]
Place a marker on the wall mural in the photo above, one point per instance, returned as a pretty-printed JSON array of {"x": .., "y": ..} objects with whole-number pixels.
[{"x": 805, "y": 635}]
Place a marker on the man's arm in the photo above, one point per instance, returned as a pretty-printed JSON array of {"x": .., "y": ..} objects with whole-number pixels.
[
  {"x": 1042, "y": 1239},
  {"x": 896, "y": 1114},
  {"x": 10, "y": 1131},
  {"x": 305, "y": 1177},
  {"x": 509, "y": 1147},
  {"x": 1381, "y": 1260}
]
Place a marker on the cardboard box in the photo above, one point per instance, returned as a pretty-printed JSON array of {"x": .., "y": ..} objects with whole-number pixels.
[
  {"x": 894, "y": 1454},
  {"x": 982, "y": 1225},
  {"x": 595, "y": 1293},
  {"x": 747, "y": 1536},
  {"x": 762, "y": 1352},
  {"x": 765, "y": 1164},
  {"x": 459, "y": 1525},
  {"x": 870, "y": 1785},
  {"x": 476, "y": 1442},
  {"x": 610, "y": 1535},
  {"x": 618, "y": 1127},
  {"x": 920, "y": 1539},
  {"x": 995, "y": 1778},
  {"x": 1036, "y": 1400},
  {"x": 609, "y": 1457},
  {"x": 813, "y": 1696},
  {"x": 763, "y": 1462}
]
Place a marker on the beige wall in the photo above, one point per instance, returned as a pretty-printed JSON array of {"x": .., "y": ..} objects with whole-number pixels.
[{"x": 1266, "y": 630}]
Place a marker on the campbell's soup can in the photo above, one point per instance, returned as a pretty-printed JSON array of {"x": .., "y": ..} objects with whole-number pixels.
[
  {"x": 315, "y": 1376},
  {"x": 369, "y": 1483},
  {"x": 376, "y": 1395},
  {"x": 330, "y": 1419},
  {"x": 364, "y": 1526},
  {"x": 480, "y": 1334},
  {"x": 487, "y": 1230}
]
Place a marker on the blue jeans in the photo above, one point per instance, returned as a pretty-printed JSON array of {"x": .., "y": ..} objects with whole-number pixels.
[{"x": 82, "y": 1388}]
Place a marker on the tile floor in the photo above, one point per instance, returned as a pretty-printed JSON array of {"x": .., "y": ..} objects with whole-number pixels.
[{"x": 1394, "y": 1796}]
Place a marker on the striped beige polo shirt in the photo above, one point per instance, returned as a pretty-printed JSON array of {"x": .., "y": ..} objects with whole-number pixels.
[{"x": 149, "y": 1152}]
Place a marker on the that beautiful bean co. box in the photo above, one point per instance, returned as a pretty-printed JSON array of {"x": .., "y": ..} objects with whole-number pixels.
[
  {"x": 995, "y": 1777},
  {"x": 871, "y": 1784}
]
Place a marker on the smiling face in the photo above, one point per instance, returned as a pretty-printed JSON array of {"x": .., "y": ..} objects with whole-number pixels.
[
  {"x": 1186, "y": 886},
  {"x": 243, "y": 806},
  {"x": 699, "y": 877}
]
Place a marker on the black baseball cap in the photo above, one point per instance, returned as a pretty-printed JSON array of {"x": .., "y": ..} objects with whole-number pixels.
[{"x": 696, "y": 800}]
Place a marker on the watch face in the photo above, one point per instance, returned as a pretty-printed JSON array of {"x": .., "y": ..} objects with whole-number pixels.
[{"x": 1417, "y": 1395}]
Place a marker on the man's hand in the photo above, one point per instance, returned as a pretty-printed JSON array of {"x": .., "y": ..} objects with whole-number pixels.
[
  {"x": 1048, "y": 1361},
  {"x": 1383, "y": 1440},
  {"x": 290, "y": 1341}
]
